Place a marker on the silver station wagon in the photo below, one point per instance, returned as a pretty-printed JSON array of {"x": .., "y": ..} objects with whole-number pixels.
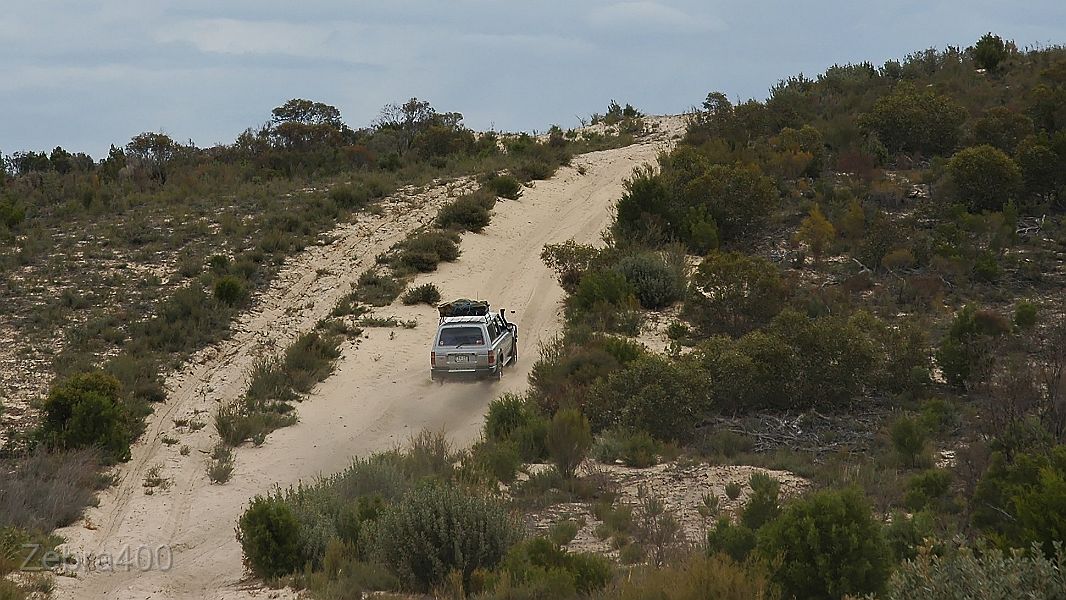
[{"x": 472, "y": 342}]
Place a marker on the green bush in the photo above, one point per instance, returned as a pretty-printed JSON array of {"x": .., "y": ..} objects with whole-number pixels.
[
  {"x": 986, "y": 575},
  {"x": 506, "y": 413},
  {"x": 270, "y": 537},
  {"x": 1025, "y": 315},
  {"x": 468, "y": 213},
  {"x": 86, "y": 411},
  {"x": 762, "y": 506},
  {"x": 912, "y": 120},
  {"x": 909, "y": 441},
  {"x": 229, "y": 290},
  {"x": 736, "y": 541},
  {"x": 696, "y": 578},
  {"x": 927, "y": 489},
  {"x": 733, "y": 293},
  {"x": 658, "y": 281},
  {"x": 504, "y": 186},
  {"x": 537, "y": 561},
  {"x": 568, "y": 441},
  {"x": 1022, "y": 502},
  {"x": 310, "y": 359},
  {"x": 667, "y": 399},
  {"x": 829, "y": 545},
  {"x": 500, "y": 459},
  {"x": 633, "y": 448},
  {"x": 437, "y": 529},
  {"x": 601, "y": 300},
  {"x": 376, "y": 289},
  {"x": 967, "y": 342},
  {"x": 985, "y": 178},
  {"x": 427, "y": 293},
  {"x": 424, "y": 251}
]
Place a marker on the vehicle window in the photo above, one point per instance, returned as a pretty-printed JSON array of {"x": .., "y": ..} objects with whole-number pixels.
[
  {"x": 461, "y": 336},
  {"x": 493, "y": 332}
]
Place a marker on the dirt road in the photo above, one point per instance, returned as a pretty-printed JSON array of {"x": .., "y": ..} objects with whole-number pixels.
[{"x": 379, "y": 395}]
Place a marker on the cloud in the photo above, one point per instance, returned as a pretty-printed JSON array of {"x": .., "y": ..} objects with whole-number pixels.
[{"x": 651, "y": 17}]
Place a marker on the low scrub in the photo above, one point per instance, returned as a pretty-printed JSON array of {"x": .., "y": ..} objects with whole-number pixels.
[
  {"x": 633, "y": 448},
  {"x": 423, "y": 252},
  {"x": 376, "y": 289},
  {"x": 827, "y": 545},
  {"x": 695, "y": 578},
  {"x": 987, "y": 575},
  {"x": 427, "y": 293},
  {"x": 45, "y": 489},
  {"x": 504, "y": 186},
  {"x": 87, "y": 410},
  {"x": 438, "y": 529},
  {"x": 468, "y": 213}
]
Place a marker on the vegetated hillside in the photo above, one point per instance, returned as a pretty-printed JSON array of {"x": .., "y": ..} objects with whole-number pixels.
[
  {"x": 133, "y": 261},
  {"x": 121, "y": 269},
  {"x": 860, "y": 279}
]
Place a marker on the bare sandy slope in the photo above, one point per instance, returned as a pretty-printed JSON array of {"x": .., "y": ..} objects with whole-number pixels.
[{"x": 379, "y": 395}]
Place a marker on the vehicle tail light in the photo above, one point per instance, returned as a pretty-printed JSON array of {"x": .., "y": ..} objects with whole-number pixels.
[
  {"x": 492, "y": 358},
  {"x": 432, "y": 359}
]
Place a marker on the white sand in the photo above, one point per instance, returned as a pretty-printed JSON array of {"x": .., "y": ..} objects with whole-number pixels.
[{"x": 379, "y": 395}]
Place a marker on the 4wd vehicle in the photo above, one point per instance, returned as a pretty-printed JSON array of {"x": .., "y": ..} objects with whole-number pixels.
[{"x": 472, "y": 341}]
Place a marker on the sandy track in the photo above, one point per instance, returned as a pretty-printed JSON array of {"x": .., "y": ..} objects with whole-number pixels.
[{"x": 379, "y": 395}]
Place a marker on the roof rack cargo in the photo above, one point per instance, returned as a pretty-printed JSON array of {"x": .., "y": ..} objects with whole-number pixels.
[{"x": 463, "y": 308}]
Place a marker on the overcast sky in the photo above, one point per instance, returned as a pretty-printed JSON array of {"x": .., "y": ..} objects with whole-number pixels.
[{"x": 84, "y": 75}]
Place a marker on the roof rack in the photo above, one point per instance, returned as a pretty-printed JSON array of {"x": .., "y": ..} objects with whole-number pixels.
[{"x": 463, "y": 308}]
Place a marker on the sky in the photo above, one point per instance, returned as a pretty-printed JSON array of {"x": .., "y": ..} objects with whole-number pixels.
[{"x": 85, "y": 75}]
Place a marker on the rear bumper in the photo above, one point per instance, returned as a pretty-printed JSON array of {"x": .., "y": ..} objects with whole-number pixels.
[{"x": 477, "y": 372}]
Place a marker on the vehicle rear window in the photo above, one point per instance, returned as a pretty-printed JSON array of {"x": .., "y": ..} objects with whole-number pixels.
[{"x": 461, "y": 336}]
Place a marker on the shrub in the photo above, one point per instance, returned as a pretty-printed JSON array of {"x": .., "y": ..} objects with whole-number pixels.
[
  {"x": 437, "y": 529},
  {"x": 468, "y": 213},
  {"x": 653, "y": 393},
  {"x": 967, "y": 342},
  {"x": 696, "y": 578},
  {"x": 47, "y": 489},
  {"x": 499, "y": 459},
  {"x": 427, "y": 293},
  {"x": 987, "y": 575},
  {"x": 220, "y": 466},
  {"x": 229, "y": 290},
  {"x": 985, "y": 178},
  {"x": 909, "y": 442},
  {"x": 568, "y": 441},
  {"x": 506, "y": 414},
  {"x": 504, "y": 186},
  {"x": 424, "y": 251},
  {"x": 270, "y": 537},
  {"x": 376, "y": 289},
  {"x": 569, "y": 260},
  {"x": 828, "y": 545},
  {"x": 310, "y": 359},
  {"x": 633, "y": 448},
  {"x": 926, "y": 488},
  {"x": 762, "y": 506},
  {"x": 1023, "y": 502},
  {"x": 541, "y": 561},
  {"x": 736, "y": 541},
  {"x": 734, "y": 293},
  {"x": 85, "y": 411},
  {"x": 733, "y": 490},
  {"x": 1025, "y": 315},
  {"x": 658, "y": 280},
  {"x": 816, "y": 231},
  {"x": 913, "y": 120}
]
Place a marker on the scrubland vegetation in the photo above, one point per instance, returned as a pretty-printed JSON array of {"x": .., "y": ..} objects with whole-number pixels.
[
  {"x": 861, "y": 280},
  {"x": 118, "y": 270}
]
